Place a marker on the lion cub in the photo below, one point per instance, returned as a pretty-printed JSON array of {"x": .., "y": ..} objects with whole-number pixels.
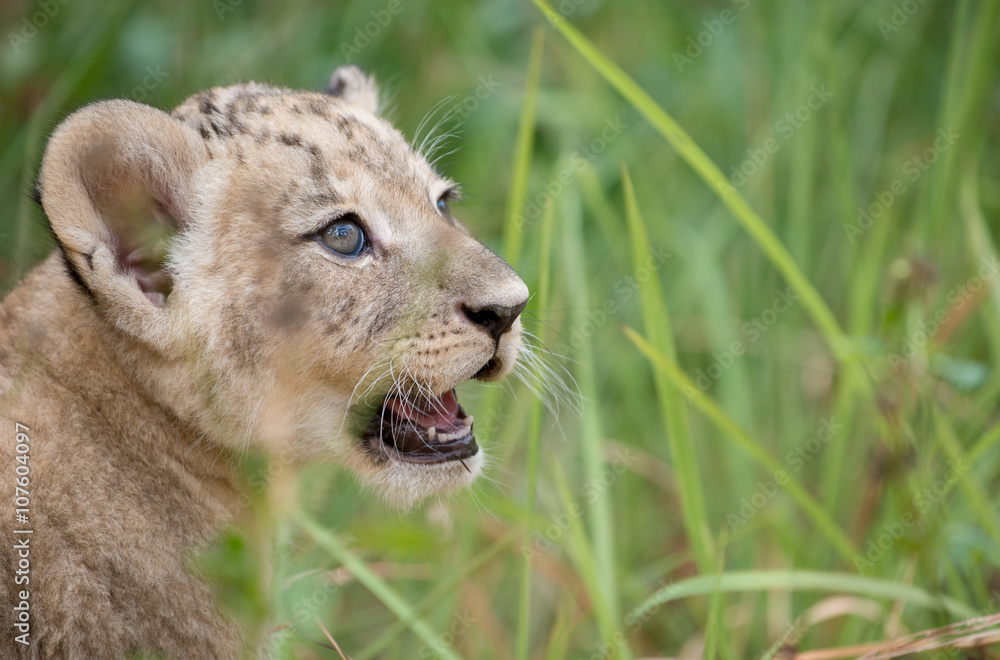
[{"x": 260, "y": 268}]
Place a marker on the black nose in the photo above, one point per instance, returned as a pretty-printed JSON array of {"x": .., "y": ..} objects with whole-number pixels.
[{"x": 494, "y": 319}]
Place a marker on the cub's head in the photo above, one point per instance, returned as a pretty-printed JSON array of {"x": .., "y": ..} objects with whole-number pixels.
[{"x": 283, "y": 270}]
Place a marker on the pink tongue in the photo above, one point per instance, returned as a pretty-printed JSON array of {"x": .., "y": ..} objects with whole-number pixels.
[{"x": 442, "y": 413}]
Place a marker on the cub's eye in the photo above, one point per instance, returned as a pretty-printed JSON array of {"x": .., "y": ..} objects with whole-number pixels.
[
  {"x": 442, "y": 206},
  {"x": 343, "y": 236}
]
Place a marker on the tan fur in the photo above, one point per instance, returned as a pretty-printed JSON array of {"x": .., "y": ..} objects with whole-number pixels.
[{"x": 139, "y": 405}]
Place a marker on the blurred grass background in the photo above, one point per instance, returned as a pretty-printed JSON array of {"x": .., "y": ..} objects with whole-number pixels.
[{"x": 801, "y": 479}]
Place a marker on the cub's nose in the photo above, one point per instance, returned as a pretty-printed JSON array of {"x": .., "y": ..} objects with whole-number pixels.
[
  {"x": 494, "y": 319},
  {"x": 487, "y": 292}
]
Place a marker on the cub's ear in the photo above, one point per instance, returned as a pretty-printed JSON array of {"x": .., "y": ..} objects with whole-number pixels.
[
  {"x": 116, "y": 185},
  {"x": 351, "y": 84}
]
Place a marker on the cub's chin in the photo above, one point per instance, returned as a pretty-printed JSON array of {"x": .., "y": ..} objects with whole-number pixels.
[{"x": 403, "y": 485}]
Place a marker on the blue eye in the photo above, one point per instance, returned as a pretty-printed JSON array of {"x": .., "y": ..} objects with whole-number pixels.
[
  {"x": 344, "y": 236},
  {"x": 442, "y": 206}
]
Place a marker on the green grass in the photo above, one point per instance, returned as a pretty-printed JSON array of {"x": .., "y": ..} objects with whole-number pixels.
[
  {"x": 657, "y": 323},
  {"x": 621, "y": 531},
  {"x": 534, "y": 444}
]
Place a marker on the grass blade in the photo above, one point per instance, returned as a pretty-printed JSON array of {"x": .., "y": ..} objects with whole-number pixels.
[
  {"x": 514, "y": 227},
  {"x": 658, "y": 329},
  {"x": 845, "y": 583},
  {"x": 989, "y": 440},
  {"x": 607, "y": 619},
  {"x": 715, "y": 626},
  {"x": 980, "y": 243},
  {"x": 963, "y": 104},
  {"x": 534, "y": 441},
  {"x": 716, "y": 180},
  {"x": 513, "y": 231},
  {"x": 717, "y": 416},
  {"x": 592, "y": 452},
  {"x": 978, "y": 499},
  {"x": 446, "y": 587},
  {"x": 402, "y": 609}
]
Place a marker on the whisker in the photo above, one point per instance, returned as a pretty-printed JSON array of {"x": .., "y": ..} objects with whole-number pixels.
[{"x": 433, "y": 112}]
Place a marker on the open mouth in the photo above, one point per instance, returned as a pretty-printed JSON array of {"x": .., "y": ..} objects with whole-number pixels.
[{"x": 422, "y": 430}]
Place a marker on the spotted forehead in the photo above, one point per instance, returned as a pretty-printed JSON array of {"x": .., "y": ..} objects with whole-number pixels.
[{"x": 328, "y": 130}]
